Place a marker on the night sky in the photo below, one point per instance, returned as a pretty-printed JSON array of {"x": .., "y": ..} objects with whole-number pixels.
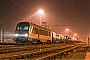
[{"x": 57, "y": 13}]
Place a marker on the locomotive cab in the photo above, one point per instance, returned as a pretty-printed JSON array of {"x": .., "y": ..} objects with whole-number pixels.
[{"x": 22, "y": 32}]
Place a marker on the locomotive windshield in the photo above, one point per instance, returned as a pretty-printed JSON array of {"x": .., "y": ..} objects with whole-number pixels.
[
  {"x": 19, "y": 28},
  {"x": 22, "y": 28},
  {"x": 25, "y": 28}
]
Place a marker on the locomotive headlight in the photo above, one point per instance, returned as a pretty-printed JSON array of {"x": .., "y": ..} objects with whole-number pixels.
[
  {"x": 26, "y": 35},
  {"x": 16, "y": 35}
]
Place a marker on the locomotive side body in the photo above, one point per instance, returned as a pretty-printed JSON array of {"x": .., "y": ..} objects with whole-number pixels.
[{"x": 40, "y": 33}]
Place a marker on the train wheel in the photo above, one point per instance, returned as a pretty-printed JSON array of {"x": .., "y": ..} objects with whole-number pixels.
[
  {"x": 18, "y": 43},
  {"x": 29, "y": 42},
  {"x": 39, "y": 42},
  {"x": 48, "y": 42}
]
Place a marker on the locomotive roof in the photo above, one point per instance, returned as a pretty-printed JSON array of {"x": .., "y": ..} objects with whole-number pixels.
[
  {"x": 24, "y": 23},
  {"x": 33, "y": 24},
  {"x": 40, "y": 26}
]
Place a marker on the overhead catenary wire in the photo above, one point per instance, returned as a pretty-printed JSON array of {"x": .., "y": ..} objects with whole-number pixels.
[
  {"x": 59, "y": 26},
  {"x": 59, "y": 17},
  {"x": 53, "y": 11},
  {"x": 53, "y": 16},
  {"x": 9, "y": 14},
  {"x": 6, "y": 16},
  {"x": 77, "y": 14},
  {"x": 9, "y": 6},
  {"x": 13, "y": 8},
  {"x": 20, "y": 6},
  {"x": 67, "y": 24}
]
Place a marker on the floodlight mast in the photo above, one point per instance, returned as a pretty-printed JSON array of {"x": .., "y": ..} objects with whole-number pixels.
[
  {"x": 40, "y": 12},
  {"x": 2, "y": 31}
]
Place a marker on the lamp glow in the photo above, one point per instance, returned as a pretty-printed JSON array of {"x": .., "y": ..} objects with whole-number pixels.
[
  {"x": 26, "y": 35},
  {"x": 40, "y": 11},
  {"x": 16, "y": 35}
]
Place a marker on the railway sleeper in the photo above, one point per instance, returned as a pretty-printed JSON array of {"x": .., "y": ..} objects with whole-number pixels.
[
  {"x": 22, "y": 56},
  {"x": 3, "y": 51},
  {"x": 47, "y": 52},
  {"x": 61, "y": 54},
  {"x": 48, "y": 56},
  {"x": 28, "y": 55},
  {"x": 81, "y": 50},
  {"x": 6, "y": 51},
  {"x": 6, "y": 57},
  {"x": 14, "y": 57},
  {"x": 11, "y": 50},
  {"x": 14, "y": 50},
  {"x": 32, "y": 55}
]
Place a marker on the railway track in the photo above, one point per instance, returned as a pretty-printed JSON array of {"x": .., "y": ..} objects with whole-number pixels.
[
  {"x": 39, "y": 52},
  {"x": 7, "y": 43},
  {"x": 9, "y": 49},
  {"x": 55, "y": 52}
]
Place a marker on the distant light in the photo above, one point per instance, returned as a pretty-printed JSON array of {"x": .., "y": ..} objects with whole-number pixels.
[
  {"x": 40, "y": 11},
  {"x": 75, "y": 39},
  {"x": 65, "y": 37},
  {"x": 67, "y": 29},
  {"x": 75, "y": 34}
]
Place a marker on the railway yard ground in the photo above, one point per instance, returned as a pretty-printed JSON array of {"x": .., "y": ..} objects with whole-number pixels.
[{"x": 45, "y": 52}]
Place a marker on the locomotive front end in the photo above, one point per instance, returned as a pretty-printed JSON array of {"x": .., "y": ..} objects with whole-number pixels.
[{"x": 22, "y": 32}]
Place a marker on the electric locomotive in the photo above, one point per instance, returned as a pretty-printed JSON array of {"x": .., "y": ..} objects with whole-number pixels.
[{"x": 31, "y": 33}]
